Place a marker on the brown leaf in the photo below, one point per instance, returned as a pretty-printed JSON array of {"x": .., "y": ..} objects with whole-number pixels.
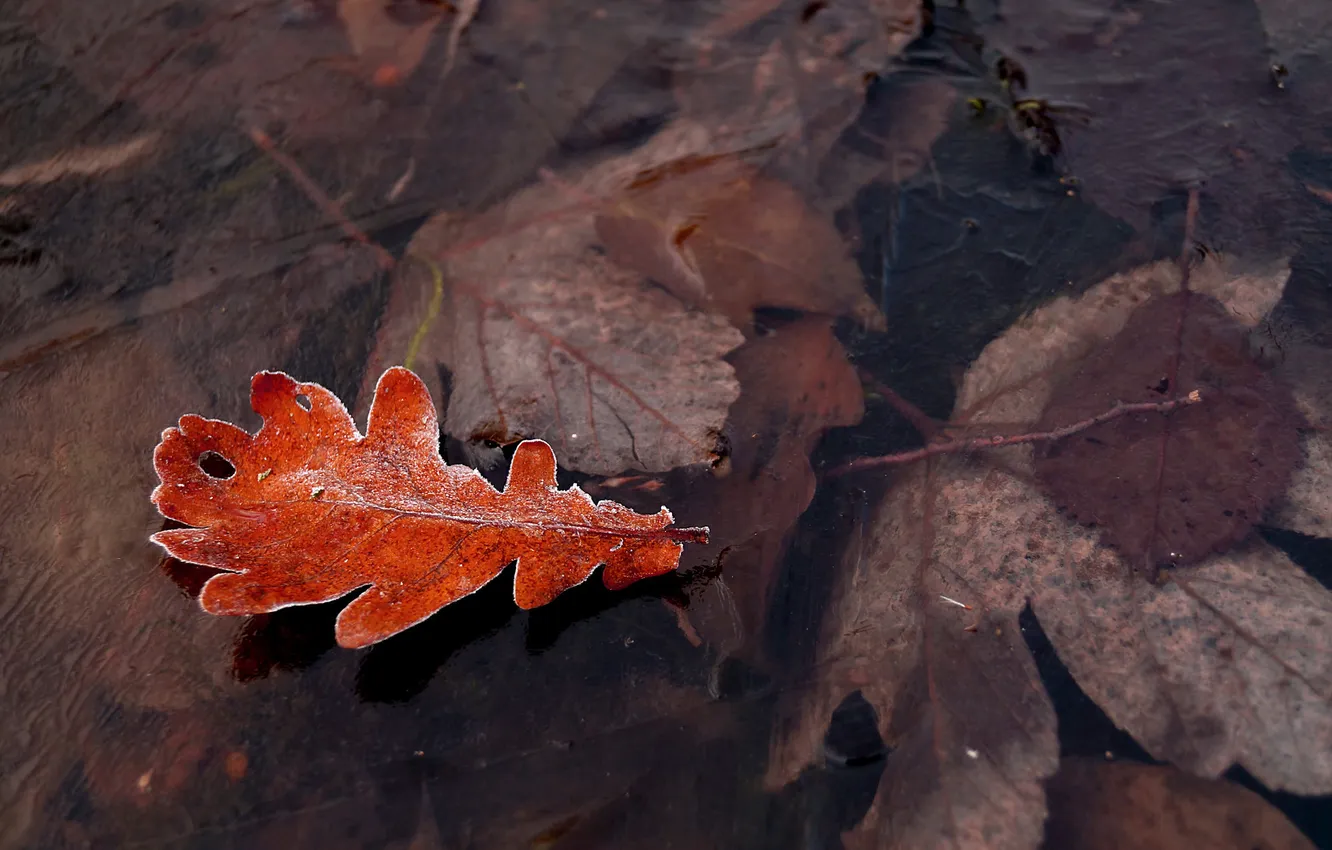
[
  {"x": 1198, "y": 669},
  {"x": 1226, "y": 662},
  {"x": 1210, "y": 470},
  {"x": 313, "y": 510},
  {"x": 723, "y": 238},
  {"x": 1096, "y": 805},
  {"x": 1013, "y": 379},
  {"x": 972, "y": 727},
  {"x": 795, "y": 384},
  {"x": 795, "y": 78},
  {"x": 545, "y": 337}
]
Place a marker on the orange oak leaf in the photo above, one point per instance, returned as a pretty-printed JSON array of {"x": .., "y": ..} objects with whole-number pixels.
[{"x": 312, "y": 510}]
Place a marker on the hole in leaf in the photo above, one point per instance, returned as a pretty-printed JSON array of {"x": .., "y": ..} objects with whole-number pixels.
[
  {"x": 216, "y": 466},
  {"x": 303, "y": 400}
]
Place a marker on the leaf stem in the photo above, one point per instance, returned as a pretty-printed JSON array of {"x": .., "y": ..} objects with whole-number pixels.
[{"x": 686, "y": 535}]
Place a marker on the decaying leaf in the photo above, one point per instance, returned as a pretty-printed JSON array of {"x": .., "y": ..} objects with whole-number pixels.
[
  {"x": 972, "y": 729},
  {"x": 725, "y": 239},
  {"x": 1219, "y": 464},
  {"x": 791, "y": 73},
  {"x": 545, "y": 336},
  {"x": 312, "y": 510},
  {"x": 795, "y": 384},
  {"x": 1098, "y": 805},
  {"x": 1221, "y": 663},
  {"x": 1201, "y": 668},
  {"x": 1225, "y": 662}
]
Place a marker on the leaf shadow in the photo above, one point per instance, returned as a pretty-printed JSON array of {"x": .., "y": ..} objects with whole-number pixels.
[
  {"x": 401, "y": 667},
  {"x": 834, "y": 797},
  {"x": 591, "y": 599},
  {"x": 1083, "y": 726},
  {"x": 290, "y": 639}
]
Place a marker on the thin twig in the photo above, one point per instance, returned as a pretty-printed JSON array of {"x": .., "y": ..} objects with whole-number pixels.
[
  {"x": 322, "y": 200},
  {"x": 973, "y": 443},
  {"x": 334, "y": 211},
  {"x": 924, "y": 424}
]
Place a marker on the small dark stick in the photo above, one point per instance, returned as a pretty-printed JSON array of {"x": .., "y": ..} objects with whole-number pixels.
[
  {"x": 321, "y": 200},
  {"x": 973, "y": 443}
]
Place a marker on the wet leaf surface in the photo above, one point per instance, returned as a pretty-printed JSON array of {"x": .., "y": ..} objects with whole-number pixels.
[
  {"x": 957, "y": 530},
  {"x": 796, "y": 384},
  {"x": 970, "y": 768},
  {"x": 726, "y": 240}
]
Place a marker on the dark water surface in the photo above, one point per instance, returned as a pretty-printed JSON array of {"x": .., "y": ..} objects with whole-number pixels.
[{"x": 831, "y": 210}]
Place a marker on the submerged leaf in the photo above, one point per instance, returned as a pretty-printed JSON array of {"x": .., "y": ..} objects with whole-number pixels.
[
  {"x": 1210, "y": 469},
  {"x": 545, "y": 337},
  {"x": 1222, "y": 663},
  {"x": 723, "y": 238},
  {"x": 313, "y": 511},
  {"x": 796, "y": 383},
  {"x": 957, "y": 693},
  {"x": 1096, "y": 805},
  {"x": 1225, "y": 662}
]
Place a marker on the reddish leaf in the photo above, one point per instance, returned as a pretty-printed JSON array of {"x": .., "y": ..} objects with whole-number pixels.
[
  {"x": 314, "y": 511},
  {"x": 1219, "y": 465}
]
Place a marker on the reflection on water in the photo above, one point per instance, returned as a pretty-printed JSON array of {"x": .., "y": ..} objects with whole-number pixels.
[{"x": 735, "y": 246}]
